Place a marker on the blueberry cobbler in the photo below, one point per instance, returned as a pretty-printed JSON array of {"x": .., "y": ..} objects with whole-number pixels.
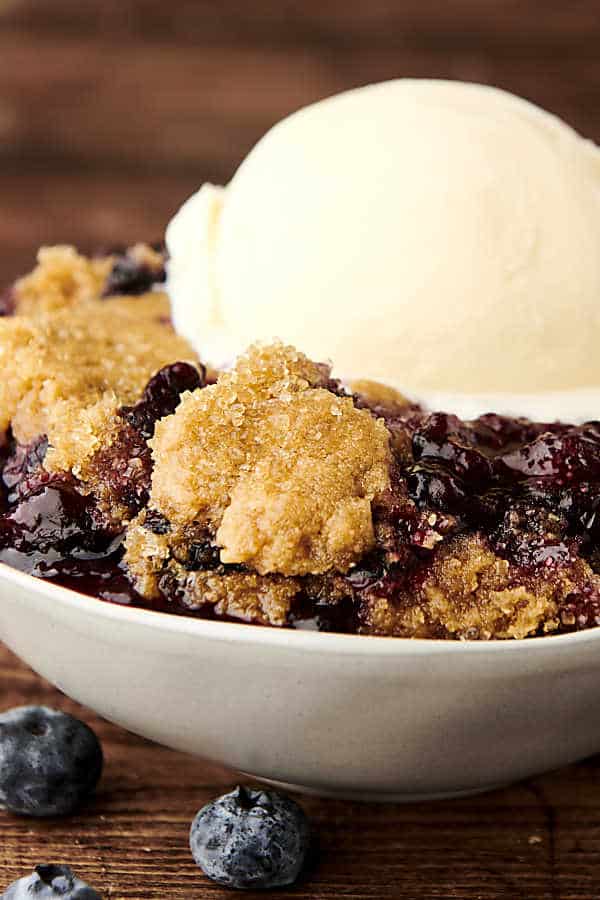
[{"x": 270, "y": 493}]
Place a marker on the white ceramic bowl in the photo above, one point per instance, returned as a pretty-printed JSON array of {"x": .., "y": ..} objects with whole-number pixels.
[{"x": 376, "y": 718}]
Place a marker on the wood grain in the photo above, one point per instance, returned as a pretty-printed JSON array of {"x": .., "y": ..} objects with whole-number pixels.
[
  {"x": 84, "y": 100},
  {"x": 91, "y": 211},
  {"x": 539, "y": 840},
  {"x": 504, "y": 27},
  {"x": 111, "y": 112}
]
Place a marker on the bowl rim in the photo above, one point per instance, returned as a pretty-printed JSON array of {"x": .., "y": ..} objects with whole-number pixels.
[{"x": 298, "y": 639}]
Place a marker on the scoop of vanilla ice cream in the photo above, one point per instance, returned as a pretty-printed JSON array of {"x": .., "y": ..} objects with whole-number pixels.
[{"x": 439, "y": 236}]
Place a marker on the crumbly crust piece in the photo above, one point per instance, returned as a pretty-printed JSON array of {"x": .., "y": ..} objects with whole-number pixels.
[
  {"x": 379, "y": 395},
  {"x": 64, "y": 374},
  {"x": 261, "y": 599},
  {"x": 147, "y": 555},
  {"x": 283, "y": 470},
  {"x": 62, "y": 279},
  {"x": 155, "y": 560},
  {"x": 471, "y": 593},
  {"x": 65, "y": 279}
]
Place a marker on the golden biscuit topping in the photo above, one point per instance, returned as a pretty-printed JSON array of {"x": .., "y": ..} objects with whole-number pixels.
[
  {"x": 472, "y": 593},
  {"x": 62, "y": 278},
  {"x": 64, "y": 374},
  {"x": 283, "y": 470},
  {"x": 379, "y": 395},
  {"x": 153, "y": 559}
]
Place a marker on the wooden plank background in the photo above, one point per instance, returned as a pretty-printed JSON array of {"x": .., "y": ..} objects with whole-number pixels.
[{"x": 111, "y": 113}]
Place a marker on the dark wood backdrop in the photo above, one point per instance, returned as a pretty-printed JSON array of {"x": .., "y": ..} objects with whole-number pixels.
[{"x": 111, "y": 113}]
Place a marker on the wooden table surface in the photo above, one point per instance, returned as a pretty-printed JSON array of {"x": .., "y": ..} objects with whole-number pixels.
[
  {"x": 111, "y": 113},
  {"x": 539, "y": 840}
]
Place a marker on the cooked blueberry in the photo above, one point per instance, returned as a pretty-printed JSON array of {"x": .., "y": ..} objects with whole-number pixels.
[
  {"x": 124, "y": 469},
  {"x": 49, "y": 761},
  {"x": 449, "y": 442},
  {"x": 156, "y": 522},
  {"x": 251, "y": 839},
  {"x": 581, "y": 609},
  {"x": 134, "y": 274},
  {"x": 433, "y": 486},
  {"x": 202, "y": 555},
  {"x": 7, "y": 302},
  {"x": 532, "y": 536},
  {"x": 563, "y": 457},
  {"x": 6, "y": 447},
  {"x": 23, "y": 471},
  {"x": 161, "y": 396},
  {"x": 310, "y": 614},
  {"x": 366, "y": 574},
  {"x": 500, "y": 433},
  {"x": 50, "y": 881}
]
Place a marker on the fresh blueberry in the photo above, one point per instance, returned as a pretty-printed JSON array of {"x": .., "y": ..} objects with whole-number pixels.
[
  {"x": 49, "y": 761},
  {"x": 48, "y": 882},
  {"x": 251, "y": 839}
]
